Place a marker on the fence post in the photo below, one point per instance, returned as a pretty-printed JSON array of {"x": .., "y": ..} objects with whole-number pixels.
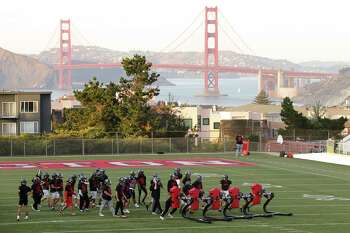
[
  {"x": 82, "y": 147},
  {"x": 117, "y": 141},
  {"x": 54, "y": 147},
  {"x": 46, "y": 147},
  {"x": 169, "y": 144},
  {"x": 260, "y": 145},
  {"x": 152, "y": 143},
  {"x": 294, "y": 134},
  {"x": 24, "y": 148},
  {"x": 187, "y": 144},
  {"x": 140, "y": 145},
  {"x": 224, "y": 144},
  {"x": 112, "y": 147},
  {"x": 11, "y": 147}
]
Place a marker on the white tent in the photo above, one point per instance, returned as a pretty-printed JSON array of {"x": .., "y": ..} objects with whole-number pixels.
[{"x": 344, "y": 145}]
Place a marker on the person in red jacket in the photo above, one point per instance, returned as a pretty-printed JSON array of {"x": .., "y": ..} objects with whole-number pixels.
[
  {"x": 194, "y": 194},
  {"x": 214, "y": 194}
]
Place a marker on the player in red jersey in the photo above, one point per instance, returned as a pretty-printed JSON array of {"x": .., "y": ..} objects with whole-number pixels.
[
  {"x": 37, "y": 193},
  {"x": 68, "y": 196},
  {"x": 174, "y": 197},
  {"x": 45, "y": 183}
]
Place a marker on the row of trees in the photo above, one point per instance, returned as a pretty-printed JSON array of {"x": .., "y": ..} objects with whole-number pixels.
[
  {"x": 296, "y": 120},
  {"x": 121, "y": 107}
]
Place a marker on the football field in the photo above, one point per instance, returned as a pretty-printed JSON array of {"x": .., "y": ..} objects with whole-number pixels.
[{"x": 318, "y": 194}]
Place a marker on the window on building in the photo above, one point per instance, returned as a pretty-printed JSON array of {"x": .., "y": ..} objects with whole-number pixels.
[
  {"x": 199, "y": 120},
  {"x": 205, "y": 121},
  {"x": 216, "y": 125},
  {"x": 29, "y": 106},
  {"x": 188, "y": 123},
  {"x": 29, "y": 127},
  {"x": 8, "y": 129},
  {"x": 9, "y": 109}
]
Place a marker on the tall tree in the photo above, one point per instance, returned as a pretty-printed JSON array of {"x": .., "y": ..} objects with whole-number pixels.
[
  {"x": 291, "y": 117},
  {"x": 262, "y": 98},
  {"x": 295, "y": 120},
  {"x": 120, "y": 107}
]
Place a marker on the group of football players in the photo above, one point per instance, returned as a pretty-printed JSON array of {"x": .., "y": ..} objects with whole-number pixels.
[{"x": 96, "y": 191}]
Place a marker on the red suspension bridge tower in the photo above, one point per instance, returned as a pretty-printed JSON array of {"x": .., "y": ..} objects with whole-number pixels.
[
  {"x": 65, "y": 74},
  {"x": 211, "y": 51}
]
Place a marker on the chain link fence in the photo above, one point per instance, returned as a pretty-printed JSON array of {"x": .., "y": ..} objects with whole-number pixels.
[
  {"x": 295, "y": 141},
  {"x": 81, "y": 146},
  {"x": 115, "y": 146}
]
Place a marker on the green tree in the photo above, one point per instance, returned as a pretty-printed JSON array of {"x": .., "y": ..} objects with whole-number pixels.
[
  {"x": 120, "y": 107},
  {"x": 296, "y": 120},
  {"x": 291, "y": 117},
  {"x": 262, "y": 98}
]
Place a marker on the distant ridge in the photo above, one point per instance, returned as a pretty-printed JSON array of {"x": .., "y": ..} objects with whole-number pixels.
[{"x": 20, "y": 71}]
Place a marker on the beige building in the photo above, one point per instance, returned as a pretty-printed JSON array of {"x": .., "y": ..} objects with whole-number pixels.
[
  {"x": 66, "y": 101},
  {"x": 207, "y": 119}
]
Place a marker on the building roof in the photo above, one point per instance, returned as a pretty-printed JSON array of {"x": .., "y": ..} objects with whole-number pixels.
[
  {"x": 261, "y": 108},
  {"x": 11, "y": 92}
]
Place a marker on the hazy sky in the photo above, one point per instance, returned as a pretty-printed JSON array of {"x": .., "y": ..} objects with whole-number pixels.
[{"x": 297, "y": 30}]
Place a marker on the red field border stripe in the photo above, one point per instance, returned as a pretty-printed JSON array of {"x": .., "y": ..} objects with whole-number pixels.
[{"x": 73, "y": 164}]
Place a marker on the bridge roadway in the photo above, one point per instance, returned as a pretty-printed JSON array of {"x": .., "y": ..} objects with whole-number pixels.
[{"x": 219, "y": 69}]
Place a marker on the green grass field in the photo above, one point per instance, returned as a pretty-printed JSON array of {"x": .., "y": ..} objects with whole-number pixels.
[{"x": 290, "y": 180}]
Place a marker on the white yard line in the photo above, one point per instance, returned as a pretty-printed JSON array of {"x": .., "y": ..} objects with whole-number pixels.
[
  {"x": 201, "y": 227},
  {"x": 110, "y": 219}
]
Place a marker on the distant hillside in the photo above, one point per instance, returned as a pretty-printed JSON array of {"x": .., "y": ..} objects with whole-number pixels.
[
  {"x": 331, "y": 66},
  {"x": 335, "y": 91},
  {"x": 19, "y": 71},
  {"x": 103, "y": 55}
]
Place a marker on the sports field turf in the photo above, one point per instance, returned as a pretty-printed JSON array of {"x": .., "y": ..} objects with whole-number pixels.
[{"x": 291, "y": 179}]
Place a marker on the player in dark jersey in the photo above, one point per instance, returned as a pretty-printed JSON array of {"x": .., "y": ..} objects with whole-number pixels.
[
  {"x": 106, "y": 197},
  {"x": 37, "y": 191},
  {"x": 120, "y": 196},
  {"x": 225, "y": 183},
  {"x": 187, "y": 177},
  {"x": 101, "y": 176},
  {"x": 127, "y": 194},
  {"x": 171, "y": 182},
  {"x": 198, "y": 184},
  {"x": 60, "y": 188},
  {"x": 23, "y": 191},
  {"x": 178, "y": 176},
  {"x": 155, "y": 188},
  {"x": 141, "y": 184},
  {"x": 54, "y": 195},
  {"x": 133, "y": 183},
  {"x": 93, "y": 186},
  {"x": 174, "y": 197},
  {"x": 83, "y": 194},
  {"x": 73, "y": 179}
]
